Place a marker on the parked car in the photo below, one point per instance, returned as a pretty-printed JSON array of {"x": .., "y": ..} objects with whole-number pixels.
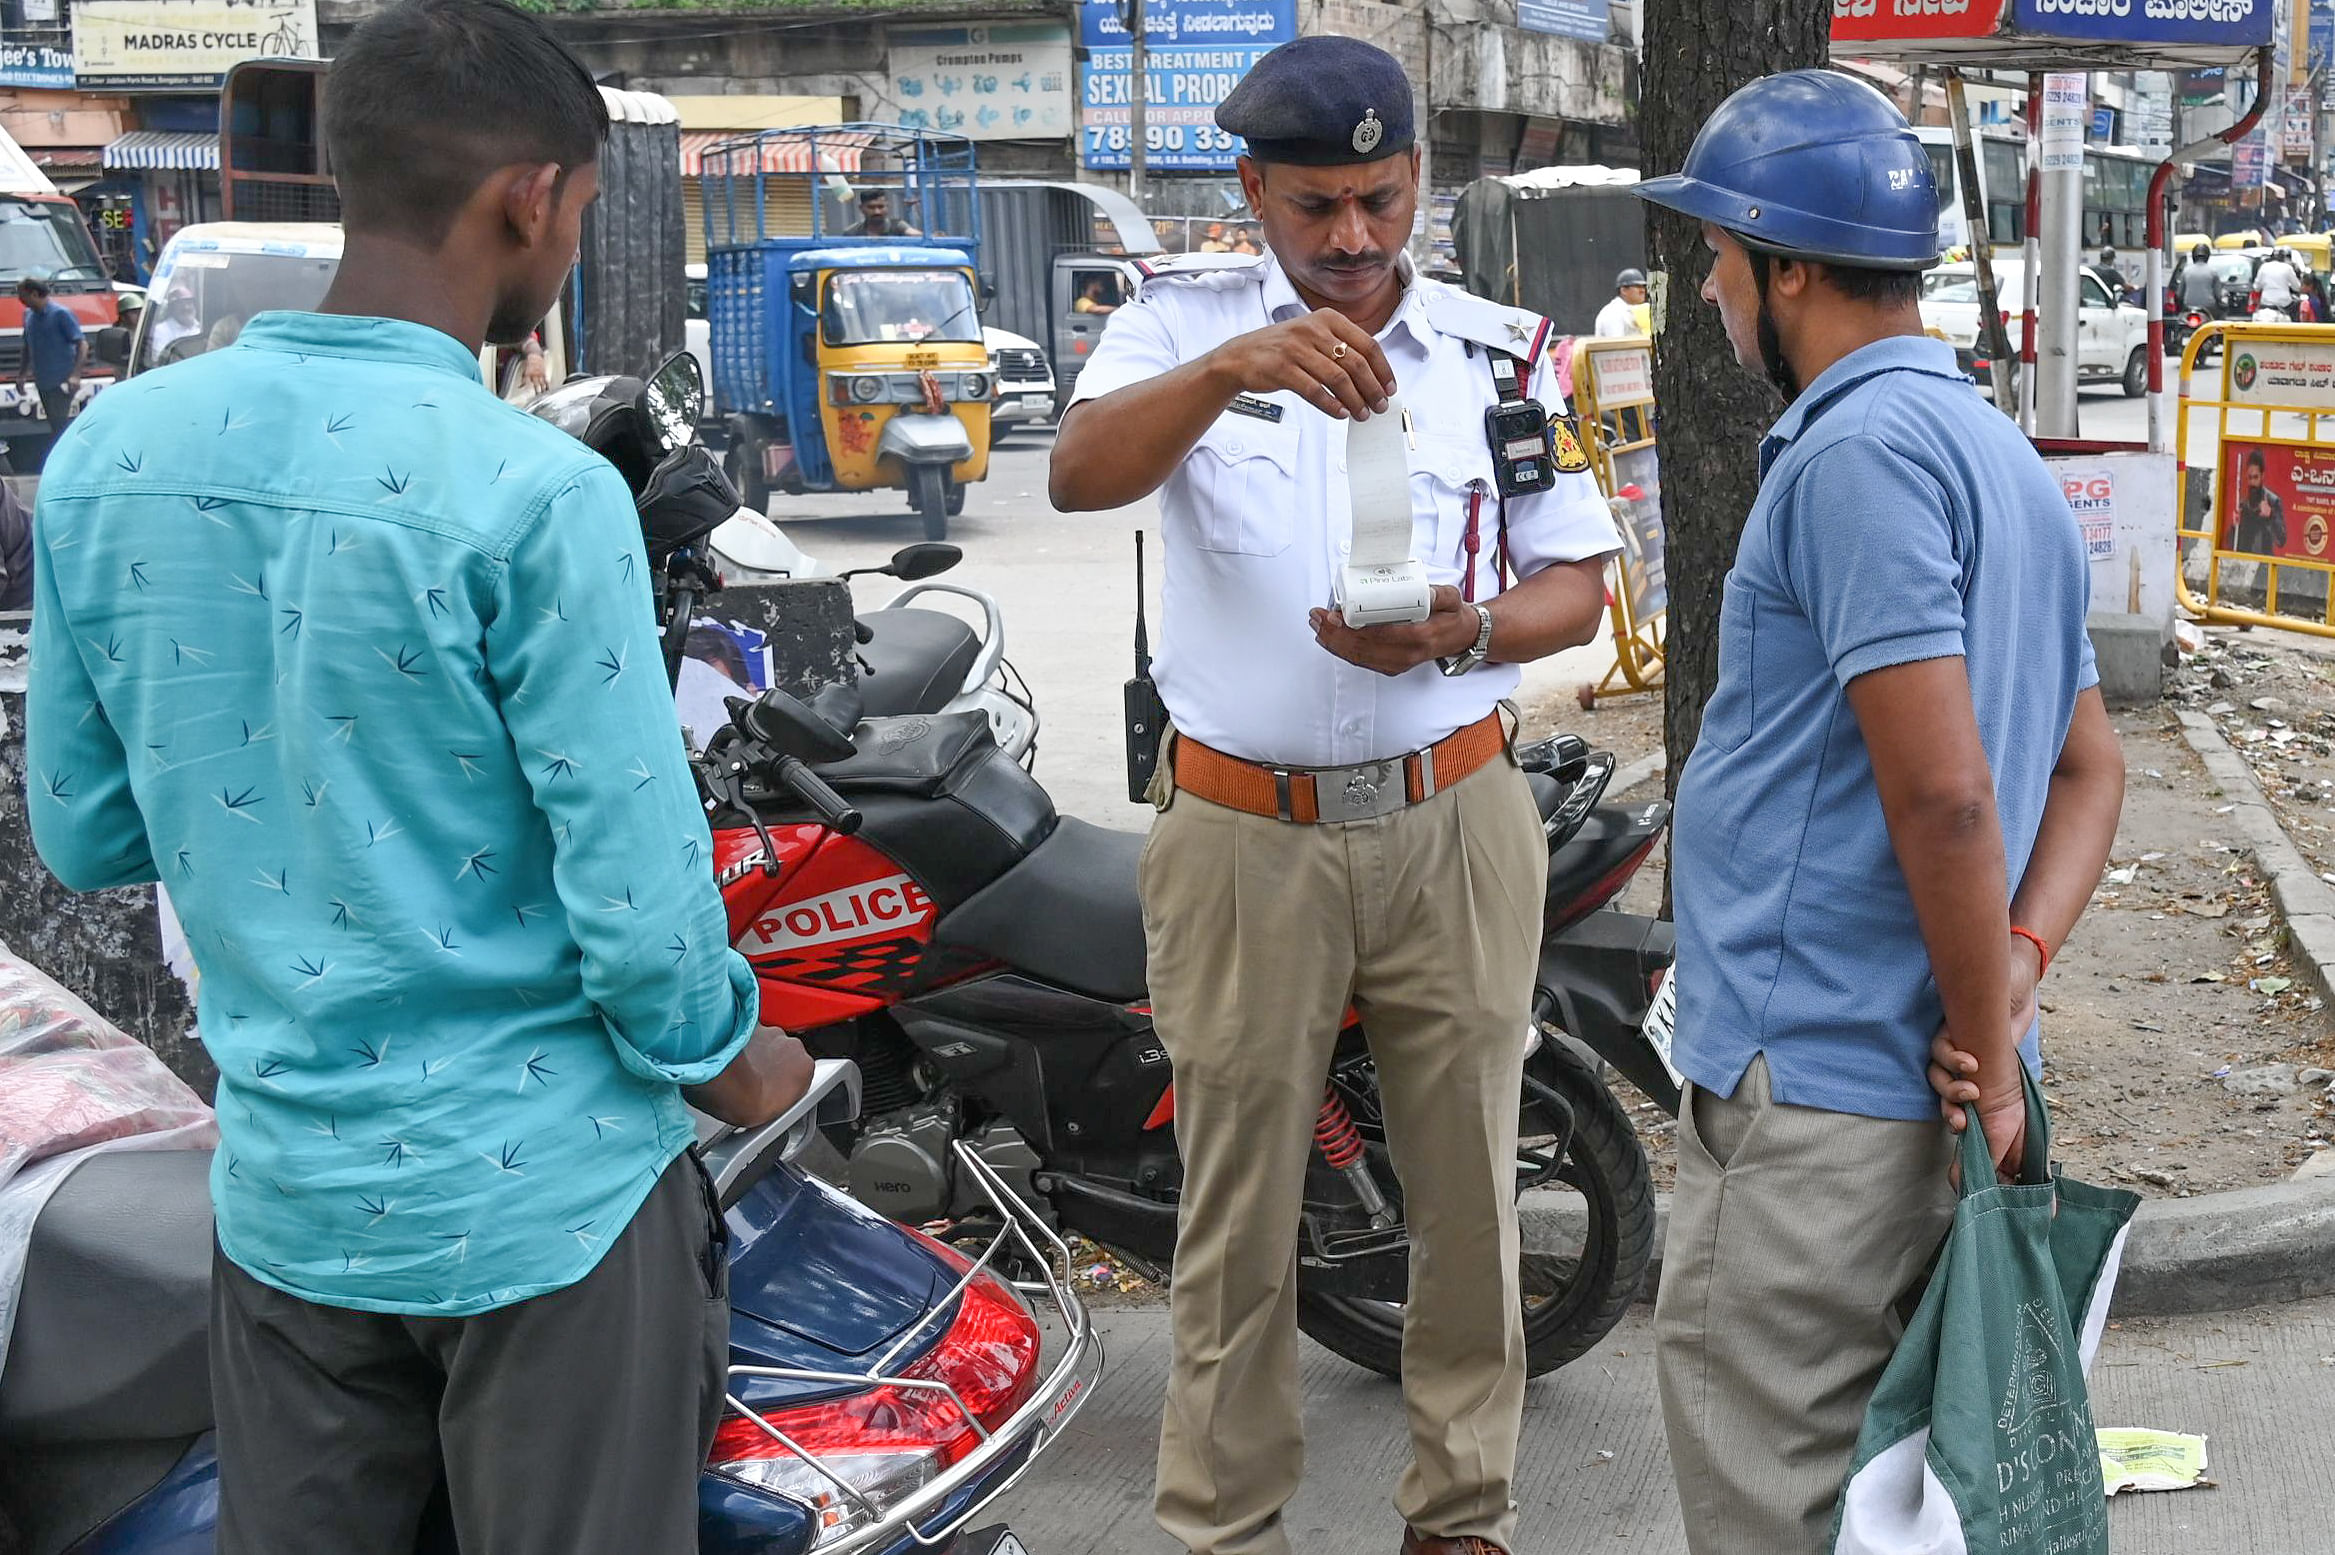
[
  {"x": 2112, "y": 336},
  {"x": 1025, "y": 380}
]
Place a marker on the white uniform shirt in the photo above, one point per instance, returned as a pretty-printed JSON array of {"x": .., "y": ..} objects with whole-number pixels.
[
  {"x": 2278, "y": 283},
  {"x": 1258, "y": 519},
  {"x": 1616, "y": 320}
]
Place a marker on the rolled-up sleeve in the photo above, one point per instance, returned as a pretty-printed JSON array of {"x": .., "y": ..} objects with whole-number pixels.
[
  {"x": 1871, "y": 552},
  {"x": 574, "y": 656}
]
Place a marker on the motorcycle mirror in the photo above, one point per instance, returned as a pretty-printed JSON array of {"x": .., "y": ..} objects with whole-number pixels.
[
  {"x": 911, "y": 562},
  {"x": 676, "y": 400},
  {"x": 923, "y": 560}
]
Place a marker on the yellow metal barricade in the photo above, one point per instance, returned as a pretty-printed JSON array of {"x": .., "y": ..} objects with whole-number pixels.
[
  {"x": 1613, "y": 390},
  {"x": 2262, "y": 550}
]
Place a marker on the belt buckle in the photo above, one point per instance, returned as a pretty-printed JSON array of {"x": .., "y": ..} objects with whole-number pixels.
[{"x": 1360, "y": 793}]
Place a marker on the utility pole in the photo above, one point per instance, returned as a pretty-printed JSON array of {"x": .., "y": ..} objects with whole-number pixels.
[{"x": 1138, "y": 87}]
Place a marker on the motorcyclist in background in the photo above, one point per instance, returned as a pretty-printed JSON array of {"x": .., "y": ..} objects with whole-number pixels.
[{"x": 2200, "y": 288}]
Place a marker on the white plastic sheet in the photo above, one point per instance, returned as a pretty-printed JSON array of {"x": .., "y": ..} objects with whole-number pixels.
[{"x": 71, "y": 1084}]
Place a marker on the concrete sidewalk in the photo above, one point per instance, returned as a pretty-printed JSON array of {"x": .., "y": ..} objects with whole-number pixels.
[{"x": 2260, "y": 1384}]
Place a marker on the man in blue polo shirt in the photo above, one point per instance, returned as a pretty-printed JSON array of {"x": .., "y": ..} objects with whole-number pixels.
[
  {"x": 54, "y": 353},
  {"x": 1902, "y": 794}
]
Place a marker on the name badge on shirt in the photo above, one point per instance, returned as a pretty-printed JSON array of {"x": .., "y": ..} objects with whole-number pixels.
[{"x": 1250, "y": 405}]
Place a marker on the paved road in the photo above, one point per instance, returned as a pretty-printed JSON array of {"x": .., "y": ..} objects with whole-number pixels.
[
  {"x": 1594, "y": 1476},
  {"x": 1066, "y": 583}
]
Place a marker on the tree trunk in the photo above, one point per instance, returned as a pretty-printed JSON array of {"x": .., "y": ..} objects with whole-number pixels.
[{"x": 1713, "y": 412}]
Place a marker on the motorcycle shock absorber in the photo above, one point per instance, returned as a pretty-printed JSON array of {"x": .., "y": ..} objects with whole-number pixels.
[{"x": 1340, "y": 1142}]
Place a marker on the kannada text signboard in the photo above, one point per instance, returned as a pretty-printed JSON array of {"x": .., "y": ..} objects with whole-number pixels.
[
  {"x": 1881, "y": 20},
  {"x": 992, "y": 82},
  {"x": 1196, "y": 52},
  {"x": 127, "y": 45},
  {"x": 2287, "y": 373},
  {"x": 2231, "y": 23}
]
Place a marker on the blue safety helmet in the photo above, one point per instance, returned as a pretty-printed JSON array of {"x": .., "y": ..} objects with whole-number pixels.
[{"x": 1811, "y": 164}]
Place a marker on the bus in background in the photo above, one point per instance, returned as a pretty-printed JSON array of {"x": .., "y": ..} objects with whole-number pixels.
[
  {"x": 2116, "y": 193},
  {"x": 42, "y": 234}
]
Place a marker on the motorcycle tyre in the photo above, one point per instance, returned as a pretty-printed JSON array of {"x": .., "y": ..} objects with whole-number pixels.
[
  {"x": 928, "y": 493},
  {"x": 1619, "y": 1189},
  {"x": 956, "y": 503}
]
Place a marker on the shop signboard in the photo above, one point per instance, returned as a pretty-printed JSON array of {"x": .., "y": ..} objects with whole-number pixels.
[
  {"x": 2229, "y": 23},
  {"x": 987, "y": 82},
  {"x": 1883, "y": 20},
  {"x": 184, "y": 45},
  {"x": 1196, "y": 52},
  {"x": 1589, "y": 20},
  {"x": 38, "y": 65}
]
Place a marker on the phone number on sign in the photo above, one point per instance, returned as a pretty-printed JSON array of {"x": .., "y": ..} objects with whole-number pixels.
[{"x": 1162, "y": 137}]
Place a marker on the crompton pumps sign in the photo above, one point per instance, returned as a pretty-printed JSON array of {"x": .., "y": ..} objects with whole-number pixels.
[
  {"x": 2234, "y": 22},
  {"x": 184, "y": 44}
]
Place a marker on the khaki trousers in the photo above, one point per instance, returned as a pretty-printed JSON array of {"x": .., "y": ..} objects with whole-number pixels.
[
  {"x": 1799, "y": 1242},
  {"x": 1261, "y": 932}
]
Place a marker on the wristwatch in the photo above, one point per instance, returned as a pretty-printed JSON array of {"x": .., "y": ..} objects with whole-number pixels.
[{"x": 1476, "y": 652}]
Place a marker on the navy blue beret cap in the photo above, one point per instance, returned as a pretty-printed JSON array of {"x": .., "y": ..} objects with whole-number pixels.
[{"x": 1321, "y": 102}]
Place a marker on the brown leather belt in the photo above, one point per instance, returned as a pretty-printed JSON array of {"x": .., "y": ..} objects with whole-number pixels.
[{"x": 1311, "y": 795}]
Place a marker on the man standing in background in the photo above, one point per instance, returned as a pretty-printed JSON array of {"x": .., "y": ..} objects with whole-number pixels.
[
  {"x": 1618, "y": 319},
  {"x": 55, "y": 352}
]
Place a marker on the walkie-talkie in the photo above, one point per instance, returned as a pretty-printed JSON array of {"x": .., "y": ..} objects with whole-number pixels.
[{"x": 1146, "y": 714}]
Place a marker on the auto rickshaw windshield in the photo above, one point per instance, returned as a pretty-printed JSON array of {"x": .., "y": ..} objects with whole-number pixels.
[
  {"x": 206, "y": 298},
  {"x": 886, "y": 307}
]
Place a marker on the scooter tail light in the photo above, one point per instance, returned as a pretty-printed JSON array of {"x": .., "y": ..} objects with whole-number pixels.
[
  {"x": 890, "y": 1440},
  {"x": 1609, "y": 885}
]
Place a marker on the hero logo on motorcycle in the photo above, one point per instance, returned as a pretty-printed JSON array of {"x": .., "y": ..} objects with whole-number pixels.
[{"x": 871, "y": 909}]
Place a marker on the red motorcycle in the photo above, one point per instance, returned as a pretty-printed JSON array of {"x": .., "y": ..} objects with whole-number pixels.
[{"x": 911, "y": 901}]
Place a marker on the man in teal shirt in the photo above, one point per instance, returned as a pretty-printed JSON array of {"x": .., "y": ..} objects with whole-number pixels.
[{"x": 361, "y": 664}]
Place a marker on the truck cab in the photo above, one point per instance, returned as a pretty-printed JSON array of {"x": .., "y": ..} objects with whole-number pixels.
[{"x": 42, "y": 235}]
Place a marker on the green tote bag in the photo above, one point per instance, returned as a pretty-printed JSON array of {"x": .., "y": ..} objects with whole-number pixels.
[{"x": 1979, "y": 1439}]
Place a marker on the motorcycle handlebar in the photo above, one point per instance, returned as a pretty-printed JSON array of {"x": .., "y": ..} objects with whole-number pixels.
[{"x": 798, "y": 779}]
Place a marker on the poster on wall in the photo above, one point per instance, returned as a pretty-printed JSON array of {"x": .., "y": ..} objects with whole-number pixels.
[
  {"x": 1637, "y": 511},
  {"x": 2278, "y": 499},
  {"x": 987, "y": 82},
  {"x": 1196, "y": 52},
  {"x": 129, "y": 45}
]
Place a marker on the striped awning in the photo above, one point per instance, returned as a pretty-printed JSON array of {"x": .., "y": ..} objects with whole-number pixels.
[
  {"x": 781, "y": 153},
  {"x": 186, "y": 151}
]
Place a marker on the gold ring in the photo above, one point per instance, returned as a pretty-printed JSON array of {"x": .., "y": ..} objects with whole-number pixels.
[{"x": 1339, "y": 355}]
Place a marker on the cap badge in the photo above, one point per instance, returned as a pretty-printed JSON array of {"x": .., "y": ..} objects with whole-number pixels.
[{"x": 1369, "y": 132}]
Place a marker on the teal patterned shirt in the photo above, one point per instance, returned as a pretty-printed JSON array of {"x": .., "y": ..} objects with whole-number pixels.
[{"x": 360, "y": 663}]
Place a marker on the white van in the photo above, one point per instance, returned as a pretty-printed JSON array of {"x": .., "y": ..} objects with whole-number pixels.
[{"x": 214, "y": 276}]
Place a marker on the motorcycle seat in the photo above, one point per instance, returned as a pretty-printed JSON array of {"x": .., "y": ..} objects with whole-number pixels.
[
  {"x": 1067, "y": 915},
  {"x": 915, "y": 660},
  {"x": 113, "y": 1326}
]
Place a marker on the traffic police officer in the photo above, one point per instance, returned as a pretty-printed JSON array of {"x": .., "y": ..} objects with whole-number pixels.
[{"x": 1342, "y": 822}]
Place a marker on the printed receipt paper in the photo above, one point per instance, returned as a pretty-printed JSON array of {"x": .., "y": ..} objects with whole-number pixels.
[{"x": 1381, "y": 582}]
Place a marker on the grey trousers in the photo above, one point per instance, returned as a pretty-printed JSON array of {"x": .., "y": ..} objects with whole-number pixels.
[
  {"x": 1799, "y": 1242},
  {"x": 573, "y": 1423}
]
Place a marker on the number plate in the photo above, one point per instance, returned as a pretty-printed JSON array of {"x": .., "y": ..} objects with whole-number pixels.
[
  {"x": 1661, "y": 1022},
  {"x": 919, "y": 360}
]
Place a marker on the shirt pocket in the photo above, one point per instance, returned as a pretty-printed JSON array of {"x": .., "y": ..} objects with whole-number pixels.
[
  {"x": 1727, "y": 717},
  {"x": 1448, "y": 478},
  {"x": 1244, "y": 473}
]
